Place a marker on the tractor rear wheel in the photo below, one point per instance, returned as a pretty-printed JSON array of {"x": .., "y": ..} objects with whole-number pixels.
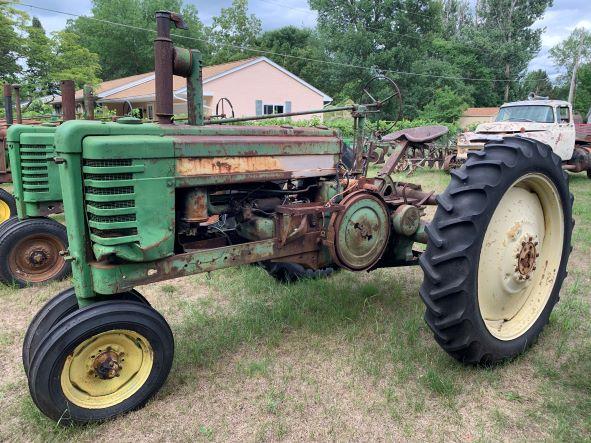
[
  {"x": 30, "y": 252},
  {"x": 7, "y": 205},
  {"x": 101, "y": 361},
  {"x": 293, "y": 272},
  {"x": 54, "y": 311},
  {"x": 498, "y": 249}
]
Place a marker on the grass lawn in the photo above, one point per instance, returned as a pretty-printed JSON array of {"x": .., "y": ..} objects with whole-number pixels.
[{"x": 346, "y": 358}]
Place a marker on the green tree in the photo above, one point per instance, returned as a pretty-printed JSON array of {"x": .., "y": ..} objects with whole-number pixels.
[
  {"x": 11, "y": 22},
  {"x": 571, "y": 53},
  {"x": 511, "y": 41},
  {"x": 582, "y": 102},
  {"x": 233, "y": 29},
  {"x": 73, "y": 61},
  {"x": 38, "y": 49},
  {"x": 125, "y": 51},
  {"x": 386, "y": 36},
  {"x": 296, "y": 42},
  {"x": 539, "y": 83},
  {"x": 446, "y": 106}
]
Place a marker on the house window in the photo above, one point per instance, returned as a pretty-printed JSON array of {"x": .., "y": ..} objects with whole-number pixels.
[
  {"x": 150, "y": 112},
  {"x": 273, "y": 109}
]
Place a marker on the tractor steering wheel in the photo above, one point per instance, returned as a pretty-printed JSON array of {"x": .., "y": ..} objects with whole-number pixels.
[{"x": 377, "y": 103}]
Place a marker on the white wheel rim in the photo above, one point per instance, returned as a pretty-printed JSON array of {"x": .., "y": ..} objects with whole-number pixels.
[{"x": 520, "y": 257}]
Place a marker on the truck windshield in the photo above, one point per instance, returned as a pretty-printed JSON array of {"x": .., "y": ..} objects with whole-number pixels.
[{"x": 539, "y": 114}]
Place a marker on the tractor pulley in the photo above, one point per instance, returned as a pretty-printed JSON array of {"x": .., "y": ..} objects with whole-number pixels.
[{"x": 358, "y": 235}]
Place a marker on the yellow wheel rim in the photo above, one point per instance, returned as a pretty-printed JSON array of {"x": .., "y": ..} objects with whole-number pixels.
[
  {"x": 520, "y": 257},
  {"x": 4, "y": 211},
  {"x": 106, "y": 369}
]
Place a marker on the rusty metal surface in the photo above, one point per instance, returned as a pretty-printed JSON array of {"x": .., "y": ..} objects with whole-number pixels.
[
  {"x": 163, "y": 62},
  {"x": 17, "y": 103},
  {"x": 68, "y": 100},
  {"x": 88, "y": 102},
  {"x": 399, "y": 152},
  {"x": 8, "y": 104},
  {"x": 422, "y": 134},
  {"x": 583, "y": 132}
]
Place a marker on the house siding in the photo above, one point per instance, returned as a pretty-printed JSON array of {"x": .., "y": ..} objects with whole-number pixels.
[{"x": 267, "y": 84}]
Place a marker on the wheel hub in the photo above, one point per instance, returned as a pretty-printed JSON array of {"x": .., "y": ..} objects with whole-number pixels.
[
  {"x": 520, "y": 256},
  {"x": 526, "y": 258},
  {"x": 37, "y": 256},
  {"x": 107, "y": 364}
]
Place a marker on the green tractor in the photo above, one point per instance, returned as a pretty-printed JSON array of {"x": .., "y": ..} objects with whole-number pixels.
[
  {"x": 150, "y": 202},
  {"x": 32, "y": 243}
]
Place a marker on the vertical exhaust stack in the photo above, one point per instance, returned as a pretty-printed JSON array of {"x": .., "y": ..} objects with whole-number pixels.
[
  {"x": 88, "y": 103},
  {"x": 8, "y": 104},
  {"x": 171, "y": 61},
  {"x": 68, "y": 100},
  {"x": 17, "y": 103},
  {"x": 163, "y": 59}
]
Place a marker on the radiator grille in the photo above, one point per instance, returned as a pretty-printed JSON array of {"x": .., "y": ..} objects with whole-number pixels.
[
  {"x": 34, "y": 168},
  {"x": 110, "y": 200}
]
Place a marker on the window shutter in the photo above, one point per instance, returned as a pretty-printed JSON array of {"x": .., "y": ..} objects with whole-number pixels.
[
  {"x": 287, "y": 106},
  {"x": 259, "y": 107}
]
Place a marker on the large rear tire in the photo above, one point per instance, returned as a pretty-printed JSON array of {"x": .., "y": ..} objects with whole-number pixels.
[
  {"x": 498, "y": 249},
  {"x": 101, "y": 361}
]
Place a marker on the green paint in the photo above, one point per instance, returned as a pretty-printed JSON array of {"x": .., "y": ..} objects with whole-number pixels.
[{"x": 35, "y": 176}]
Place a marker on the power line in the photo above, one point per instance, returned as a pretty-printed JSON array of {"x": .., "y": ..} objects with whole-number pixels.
[{"x": 261, "y": 51}]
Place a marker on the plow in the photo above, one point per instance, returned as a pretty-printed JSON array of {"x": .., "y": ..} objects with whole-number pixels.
[
  {"x": 494, "y": 256},
  {"x": 413, "y": 148}
]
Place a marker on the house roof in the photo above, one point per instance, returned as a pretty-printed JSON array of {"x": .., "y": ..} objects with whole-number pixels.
[
  {"x": 143, "y": 86},
  {"x": 480, "y": 112}
]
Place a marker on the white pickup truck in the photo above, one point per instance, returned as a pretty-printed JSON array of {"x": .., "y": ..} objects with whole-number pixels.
[{"x": 549, "y": 121}]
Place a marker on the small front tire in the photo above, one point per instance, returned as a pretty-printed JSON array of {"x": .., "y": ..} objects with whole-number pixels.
[
  {"x": 100, "y": 362},
  {"x": 7, "y": 205},
  {"x": 54, "y": 311}
]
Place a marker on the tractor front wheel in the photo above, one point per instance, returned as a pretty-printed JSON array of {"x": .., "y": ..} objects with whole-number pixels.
[
  {"x": 498, "y": 249},
  {"x": 30, "y": 252},
  {"x": 7, "y": 205},
  {"x": 101, "y": 361},
  {"x": 54, "y": 311}
]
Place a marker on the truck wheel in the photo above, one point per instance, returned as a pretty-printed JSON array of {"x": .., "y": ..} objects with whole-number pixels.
[
  {"x": 7, "y": 205},
  {"x": 54, "y": 311},
  {"x": 30, "y": 252},
  {"x": 101, "y": 361},
  {"x": 292, "y": 272},
  {"x": 497, "y": 253}
]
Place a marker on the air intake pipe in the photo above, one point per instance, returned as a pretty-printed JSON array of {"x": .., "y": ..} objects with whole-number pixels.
[
  {"x": 171, "y": 61},
  {"x": 68, "y": 100},
  {"x": 8, "y": 104}
]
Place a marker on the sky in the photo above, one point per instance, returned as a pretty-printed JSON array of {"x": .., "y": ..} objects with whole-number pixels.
[{"x": 559, "y": 20}]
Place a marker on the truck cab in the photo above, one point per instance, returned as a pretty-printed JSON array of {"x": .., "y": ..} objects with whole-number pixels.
[{"x": 548, "y": 121}]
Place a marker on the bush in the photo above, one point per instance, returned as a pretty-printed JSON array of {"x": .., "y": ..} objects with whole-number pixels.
[{"x": 446, "y": 105}]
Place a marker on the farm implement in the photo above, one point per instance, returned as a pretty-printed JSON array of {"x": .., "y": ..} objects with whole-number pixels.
[{"x": 146, "y": 203}]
